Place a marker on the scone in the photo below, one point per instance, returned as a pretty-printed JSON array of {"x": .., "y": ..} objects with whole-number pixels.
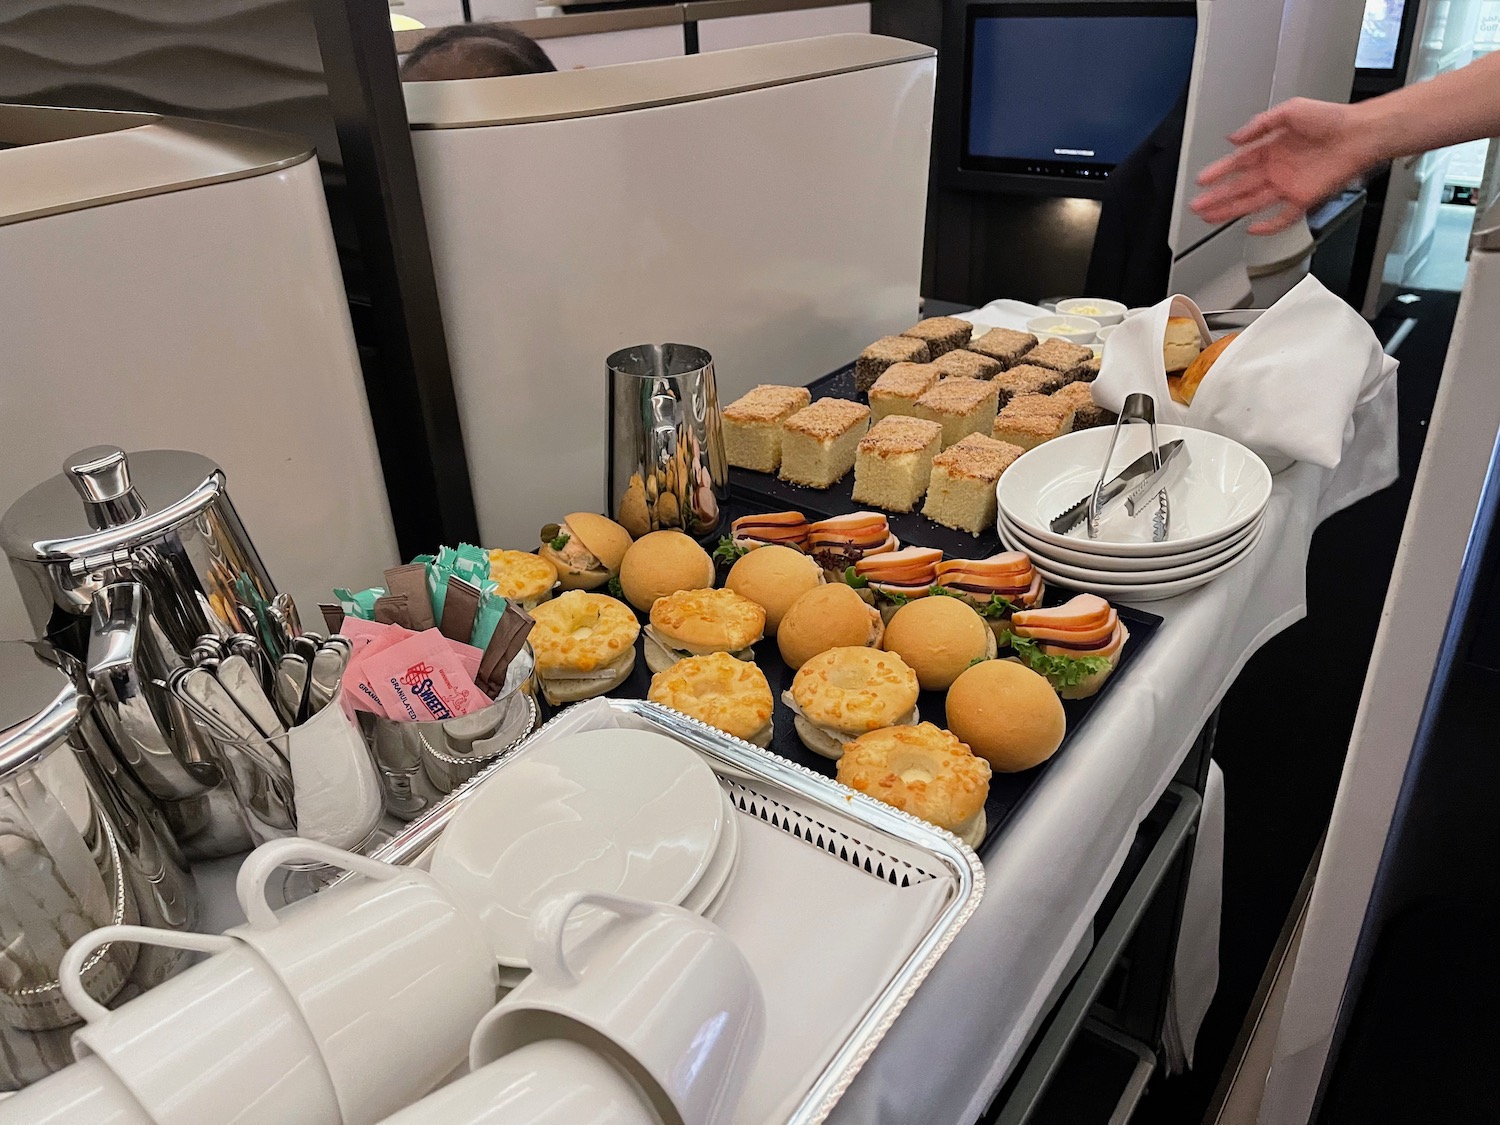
[
  {"x": 961, "y": 406},
  {"x": 584, "y": 645},
  {"x": 961, "y": 364},
  {"x": 522, "y": 578},
  {"x": 728, "y": 694},
  {"x": 1029, "y": 420},
  {"x": 697, "y": 622},
  {"x": 1060, "y": 356},
  {"x": 922, "y": 770},
  {"x": 894, "y": 461},
  {"x": 752, "y": 425},
  {"x": 1181, "y": 344},
  {"x": 1005, "y": 345},
  {"x": 1026, "y": 379},
  {"x": 897, "y": 391},
  {"x": 882, "y": 354},
  {"x": 817, "y": 447},
  {"x": 961, "y": 493},
  {"x": 843, "y": 693},
  {"x": 1086, "y": 412},
  {"x": 941, "y": 333}
]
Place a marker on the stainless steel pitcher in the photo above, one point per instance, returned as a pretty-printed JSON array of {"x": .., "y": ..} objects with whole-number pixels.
[
  {"x": 667, "y": 467},
  {"x": 162, "y": 518},
  {"x": 80, "y": 847}
]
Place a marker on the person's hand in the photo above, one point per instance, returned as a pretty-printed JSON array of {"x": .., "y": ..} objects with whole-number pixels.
[{"x": 1295, "y": 155}]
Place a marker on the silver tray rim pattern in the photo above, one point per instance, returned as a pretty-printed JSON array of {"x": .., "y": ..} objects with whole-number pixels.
[{"x": 732, "y": 756}]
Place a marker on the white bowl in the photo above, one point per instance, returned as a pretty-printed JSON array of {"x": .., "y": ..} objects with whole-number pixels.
[
  {"x": 1147, "y": 592},
  {"x": 1088, "y": 576},
  {"x": 1074, "y": 329},
  {"x": 1222, "y": 487},
  {"x": 1114, "y": 564},
  {"x": 1107, "y": 313},
  {"x": 1105, "y": 333}
]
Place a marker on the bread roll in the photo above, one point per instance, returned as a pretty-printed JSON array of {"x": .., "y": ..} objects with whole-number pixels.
[
  {"x": 922, "y": 770},
  {"x": 773, "y": 578},
  {"x": 831, "y": 616},
  {"x": 721, "y": 691},
  {"x": 1187, "y": 386},
  {"x": 843, "y": 693},
  {"x": 698, "y": 622},
  {"x": 939, "y": 638},
  {"x": 663, "y": 563},
  {"x": 1008, "y": 715}
]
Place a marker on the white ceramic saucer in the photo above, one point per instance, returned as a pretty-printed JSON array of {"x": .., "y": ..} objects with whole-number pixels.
[
  {"x": 1221, "y": 488},
  {"x": 1114, "y": 563},
  {"x": 1092, "y": 574},
  {"x": 630, "y": 812},
  {"x": 1146, "y": 592}
]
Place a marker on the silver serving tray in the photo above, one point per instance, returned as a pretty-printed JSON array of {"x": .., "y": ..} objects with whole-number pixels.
[{"x": 848, "y": 826}]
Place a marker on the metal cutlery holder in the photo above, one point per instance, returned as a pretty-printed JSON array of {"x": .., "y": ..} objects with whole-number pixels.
[
  {"x": 421, "y": 763},
  {"x": 668, "y": 469},
  {"x": 81, "y": 846},
  {"x": 125, "y": 561}
]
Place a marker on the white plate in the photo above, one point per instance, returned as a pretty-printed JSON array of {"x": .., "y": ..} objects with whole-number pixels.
[
  {"x": 631, "y": 812},
  {"x": 1154, "y": 592},
  {"x": 714, "y": 878},
  {"x": 1221, "y": 489},
  {"x": 706, "y": 894},
  {"x": 1091, "y": 576},
  {"x": 1083, "y": 557}
]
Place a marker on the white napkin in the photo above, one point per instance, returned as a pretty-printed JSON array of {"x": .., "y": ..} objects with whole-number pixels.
[{"x": 1286, "y": 388}]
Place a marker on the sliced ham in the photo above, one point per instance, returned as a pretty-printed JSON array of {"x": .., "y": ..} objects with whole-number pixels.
[
  {"x": 1005, "y": 564},
  {"x": 786, "y": 528},
  {"x": 1085, "y": 621},
  {"x": 913, "y": 564},
  {"x": 1108, "y": 648}
]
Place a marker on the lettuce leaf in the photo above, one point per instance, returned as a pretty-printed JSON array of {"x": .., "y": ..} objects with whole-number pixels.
[
  {"x": 727, "y": 551},
  {"x": 854, "y": 579},
  {"x": 996, "y": 607},
  {"x": 559, "y": 542},
  {"x": 1061, "y": 671},
  {"x": 615, "y": 589}
]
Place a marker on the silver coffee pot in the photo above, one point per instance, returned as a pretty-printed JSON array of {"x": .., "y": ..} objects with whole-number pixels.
[
  {"x": 81, "y": 846},
  {"x": 125, "y": 561},
  {"x": 667, "y": 466}
]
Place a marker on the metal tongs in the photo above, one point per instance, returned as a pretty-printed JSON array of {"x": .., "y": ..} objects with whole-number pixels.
[{"x": 1137, "y": 408}]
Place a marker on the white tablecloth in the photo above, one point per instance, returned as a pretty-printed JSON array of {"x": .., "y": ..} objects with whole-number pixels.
[{"x": 956, "y": 1043}]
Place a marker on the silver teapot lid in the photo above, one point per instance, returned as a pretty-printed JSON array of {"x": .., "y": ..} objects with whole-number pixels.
[
  {"x": 40, "y": 703},
  {"x": 106, "y": 500}
]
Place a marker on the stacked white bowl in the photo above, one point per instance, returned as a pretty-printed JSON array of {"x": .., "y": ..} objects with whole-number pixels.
[{"x": 1217, "y": 492}]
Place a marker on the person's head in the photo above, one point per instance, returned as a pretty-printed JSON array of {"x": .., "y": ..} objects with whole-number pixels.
[{"x": 475, "y": 50}]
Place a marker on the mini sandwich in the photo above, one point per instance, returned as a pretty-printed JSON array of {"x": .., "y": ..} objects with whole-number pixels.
[
  {"x": 838, "y": 543},
  {"x": 585, "y": 549},
  {"x": 896, "y": 577},
  {"x": 771, "y": 529},
  {"x": 1075, "y": 645},
  {"x": 584, "y": 645},
  {"x": 843, "y": 693},
  {"x": 825, "y": 617},
  {"x": 996, "y": 587},
  {"x": 922, "y": 770},
  {"x": 698, "y": 622},
  {"x": 731, "y": 695},
  {"x": 522, "y": 578}
]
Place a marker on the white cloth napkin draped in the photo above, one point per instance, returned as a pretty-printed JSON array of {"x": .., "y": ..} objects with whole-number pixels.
[{"x": 1286, "y": 388}]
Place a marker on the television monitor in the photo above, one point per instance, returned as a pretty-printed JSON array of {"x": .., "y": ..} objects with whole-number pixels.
[
  {"x": 1380, "y": 35},
  {"x": 1068, "y": 90}
]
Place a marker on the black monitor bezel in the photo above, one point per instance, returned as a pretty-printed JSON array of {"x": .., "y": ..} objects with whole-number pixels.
[{"x": 955, "y": 73}]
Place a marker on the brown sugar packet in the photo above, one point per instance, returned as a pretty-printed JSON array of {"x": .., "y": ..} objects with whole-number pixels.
[
  {"x": 460, "y": 607},
  {"x": 333, "y": 615},
  {"x": 411, "y": 580},
  {"x": 392, "y": 610},
  {"x": 509, "y": 636}
]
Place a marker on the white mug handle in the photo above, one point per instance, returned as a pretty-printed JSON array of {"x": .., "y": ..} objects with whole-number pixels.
[
  {"x": 544, "y": 944},
  {"x": 255, "y": 872},
  {"x": 70, "y": 972}
]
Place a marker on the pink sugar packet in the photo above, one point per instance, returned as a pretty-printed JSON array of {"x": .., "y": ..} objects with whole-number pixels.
[
  {"x": 421, "y": 678},
  {"x": 370, "y": 638}
]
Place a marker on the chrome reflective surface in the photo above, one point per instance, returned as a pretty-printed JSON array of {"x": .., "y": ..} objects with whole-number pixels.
[
  {"x": 667, "y": 465},
  {"x": 81, "y": 845},
  {"x": 159, "y": 517}
]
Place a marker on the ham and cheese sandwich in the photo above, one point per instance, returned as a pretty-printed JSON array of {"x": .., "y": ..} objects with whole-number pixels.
[{"x": 1075, "y": 645}]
